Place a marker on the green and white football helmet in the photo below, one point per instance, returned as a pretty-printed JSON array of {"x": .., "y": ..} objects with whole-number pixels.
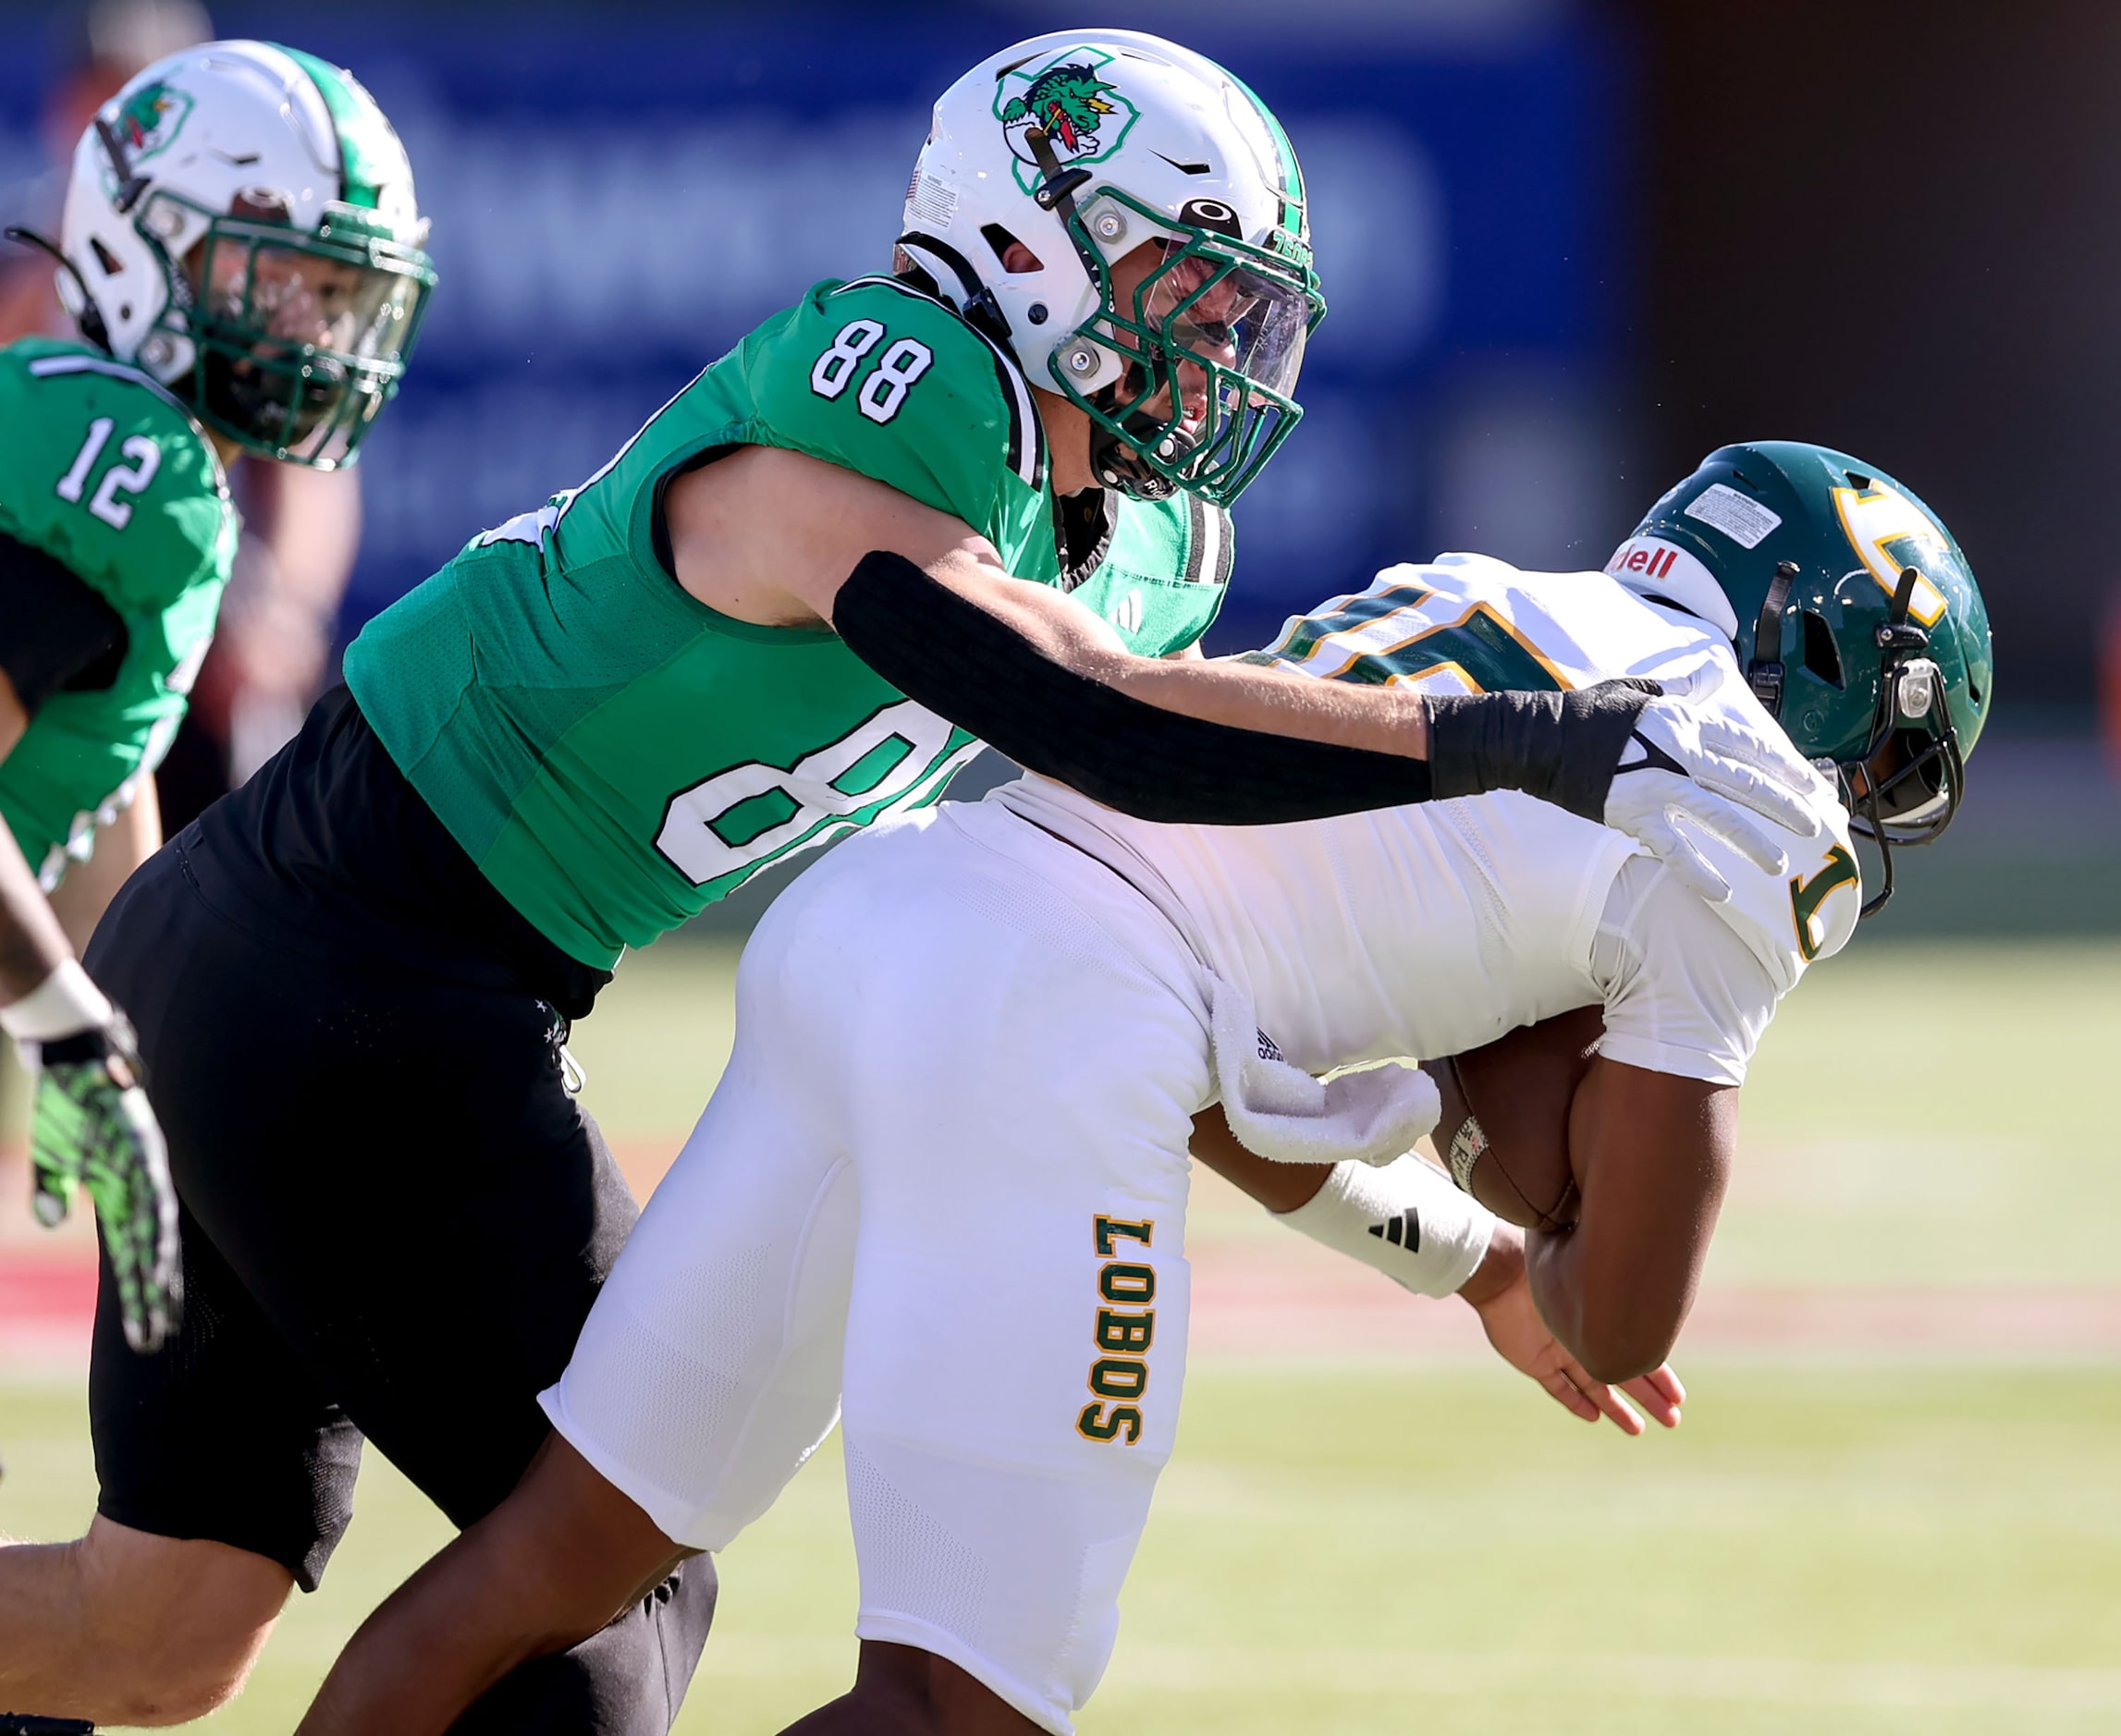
[
  {"x": 1853, "y": 612},
  {"x": 1082, "y": 147},
  {"x": 241, "y": 223}
]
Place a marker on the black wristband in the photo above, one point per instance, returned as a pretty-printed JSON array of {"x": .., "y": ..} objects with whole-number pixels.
[
  {"x": 946, "y": 652},
  {"x": 1562, "y": 748}
]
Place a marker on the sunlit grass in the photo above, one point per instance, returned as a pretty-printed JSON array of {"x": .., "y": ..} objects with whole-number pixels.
[{"x": 1391, "y": 1547}]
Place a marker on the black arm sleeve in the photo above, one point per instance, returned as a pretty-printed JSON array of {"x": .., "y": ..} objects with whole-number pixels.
[
  {"x": 952, "y": 656},
  {"x": 54, "y": 631}
]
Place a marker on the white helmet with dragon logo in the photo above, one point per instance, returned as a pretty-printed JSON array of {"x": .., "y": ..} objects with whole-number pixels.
[
  {"x": 1065, "y": 153},
  {"x": 241, "y": 224}
]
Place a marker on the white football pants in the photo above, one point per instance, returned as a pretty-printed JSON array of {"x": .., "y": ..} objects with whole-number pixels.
[{"x": 943, "y": 1186}]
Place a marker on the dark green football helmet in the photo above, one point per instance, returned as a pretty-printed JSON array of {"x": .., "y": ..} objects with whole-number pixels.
[{"x": 1853, "y": 612}]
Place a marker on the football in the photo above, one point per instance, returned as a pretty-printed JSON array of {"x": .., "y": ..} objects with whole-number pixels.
[{"x": 1516, "y": 1092}]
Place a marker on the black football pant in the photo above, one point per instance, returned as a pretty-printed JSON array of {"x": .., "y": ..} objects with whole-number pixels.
[{"x": 395, "y": 1221}]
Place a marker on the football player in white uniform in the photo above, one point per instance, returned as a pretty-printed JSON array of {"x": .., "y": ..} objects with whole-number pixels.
[{"x": 941, "y": 1190}]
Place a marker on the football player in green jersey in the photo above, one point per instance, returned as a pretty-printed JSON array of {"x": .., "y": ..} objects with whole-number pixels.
[
  {"x": 230, "y": 300},
  {"x": 980, "y": 497}
]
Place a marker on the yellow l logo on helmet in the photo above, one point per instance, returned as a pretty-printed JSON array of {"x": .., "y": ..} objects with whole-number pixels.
[{"x": 1889, "y": 532}]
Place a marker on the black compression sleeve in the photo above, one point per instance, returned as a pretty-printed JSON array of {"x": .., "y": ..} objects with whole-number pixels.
[
  {"x": 53, "y": 627},
  {"x": 952, "y": 656}
]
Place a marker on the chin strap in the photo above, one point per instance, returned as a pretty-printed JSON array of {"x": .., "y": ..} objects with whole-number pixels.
[
  {"x": 130, "y": 184},
  {"x": 1764, "y": 671},
  {"x": 90, "y": 318},
  {"x": 1056, "y": 193},
  {"x": 1901, "y": 635}
]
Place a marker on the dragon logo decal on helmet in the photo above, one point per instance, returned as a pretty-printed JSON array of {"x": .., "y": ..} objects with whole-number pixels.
[
  {"x": 241, "y": 223},
  {"x": 148, "y": 121},
  {"x": 1853, "y": 612},
  {"x": 1049, "y": 165},
  {"x": 1072, "y": 105}
]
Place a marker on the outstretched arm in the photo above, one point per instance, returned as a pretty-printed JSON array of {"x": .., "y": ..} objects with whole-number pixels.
[
  {"x": 1034, "y": 676},
  {"x": 780, "y": 539},
  {"x": 774, "y": 537}
]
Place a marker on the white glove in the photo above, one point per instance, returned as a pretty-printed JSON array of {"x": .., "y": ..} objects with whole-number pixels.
[{"x": 1713, "y": 773}]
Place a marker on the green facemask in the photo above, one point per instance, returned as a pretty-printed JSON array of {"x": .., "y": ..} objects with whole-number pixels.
[
  {"x": 1214, "y": 340},
  {"x": 300, "y": 336}
]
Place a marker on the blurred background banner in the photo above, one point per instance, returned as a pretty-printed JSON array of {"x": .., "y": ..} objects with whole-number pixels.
[
  {"x": 618, "y": 195},
  {"x": 1568, "y": 245}
]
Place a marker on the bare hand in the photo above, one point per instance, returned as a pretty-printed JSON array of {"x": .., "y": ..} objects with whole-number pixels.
[{"x": 1522, "y": 1340}]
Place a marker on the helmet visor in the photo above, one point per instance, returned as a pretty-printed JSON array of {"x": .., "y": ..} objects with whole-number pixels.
[
  {"x": 303, "y": 337},
  {"x": 1249, "y": 327},
  {"x": 1215, "y": 334}
]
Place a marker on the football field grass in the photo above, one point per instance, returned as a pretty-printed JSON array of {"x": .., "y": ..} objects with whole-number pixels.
[{"x": 1846, "y": 1536}]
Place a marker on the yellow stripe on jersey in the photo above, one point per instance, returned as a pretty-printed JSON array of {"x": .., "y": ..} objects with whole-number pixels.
[{"x": 1381, "y": 638}]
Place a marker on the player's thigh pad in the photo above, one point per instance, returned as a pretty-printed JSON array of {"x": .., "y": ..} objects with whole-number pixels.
[{"x": 1023, "y": 1063}]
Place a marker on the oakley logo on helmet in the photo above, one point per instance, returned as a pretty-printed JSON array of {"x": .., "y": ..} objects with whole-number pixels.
[
  {"x": 1212, "y": 214},
  {"x": 1890, "y": 533},
  {"x": 1083, "y": 116},
  {"x": 1090, "y": 149}
]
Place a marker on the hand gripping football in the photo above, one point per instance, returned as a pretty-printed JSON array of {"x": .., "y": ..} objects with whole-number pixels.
[{"x": 1504, "y": 1134}]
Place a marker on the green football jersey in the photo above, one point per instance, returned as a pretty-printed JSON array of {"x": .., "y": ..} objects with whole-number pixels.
[
  {"x": 614, "y": 754},
  {"x": 103, "y": 471}
]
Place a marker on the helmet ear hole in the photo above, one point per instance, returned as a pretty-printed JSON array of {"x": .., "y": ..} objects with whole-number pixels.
[
  {"x": 1820, "y": 655},
  {"x": 109, "y": 261},
  {"x": 1002, "y": 242}
]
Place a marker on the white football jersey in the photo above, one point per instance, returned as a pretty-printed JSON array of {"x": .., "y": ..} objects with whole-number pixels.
[{"x": 1428, "y": 930}]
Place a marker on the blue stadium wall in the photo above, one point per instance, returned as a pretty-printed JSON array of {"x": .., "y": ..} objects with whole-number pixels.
[{"x": 617, "y": 199}]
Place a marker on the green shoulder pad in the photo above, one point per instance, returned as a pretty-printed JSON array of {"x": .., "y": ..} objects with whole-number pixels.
[
  {"x": 106, "y": 472},
  {"x": 886, "y": 380}
]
